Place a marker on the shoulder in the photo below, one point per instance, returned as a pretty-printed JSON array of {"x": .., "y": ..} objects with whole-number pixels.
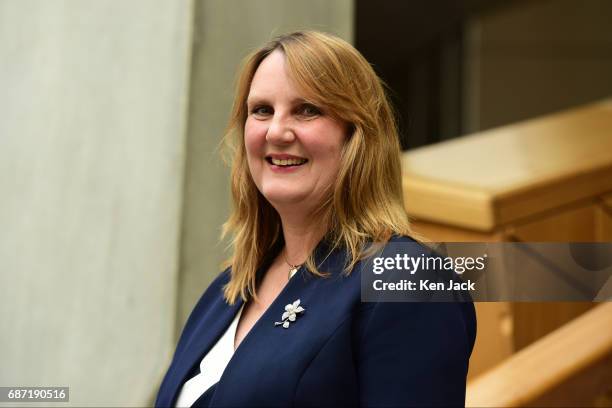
[
  {"x": 455, "y": 314},
  {"x": 396, "y": 245},
  {"x": 406, "y": 244},
  {"x": 378, "y": 256}
]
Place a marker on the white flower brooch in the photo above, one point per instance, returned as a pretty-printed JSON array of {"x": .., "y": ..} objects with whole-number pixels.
[{"x": 291, "y": 311}]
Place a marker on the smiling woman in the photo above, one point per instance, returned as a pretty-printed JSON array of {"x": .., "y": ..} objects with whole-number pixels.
[{"x": 316, "y": 191}]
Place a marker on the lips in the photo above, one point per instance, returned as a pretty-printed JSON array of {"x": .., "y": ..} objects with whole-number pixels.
[{"x": 285, "y": 160}]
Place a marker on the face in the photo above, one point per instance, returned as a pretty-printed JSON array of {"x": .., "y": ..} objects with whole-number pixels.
[{"x": 293, "y": 147}]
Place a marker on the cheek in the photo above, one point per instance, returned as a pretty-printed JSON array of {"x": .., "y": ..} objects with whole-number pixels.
[
  {"x": 327, "y": 153},
  {"x": 333, "y": 164},
  {"x": 254, "y": 140},
  {"x": 330, "y": 149}
]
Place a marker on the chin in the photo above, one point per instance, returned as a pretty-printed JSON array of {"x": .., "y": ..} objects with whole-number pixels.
[{"x": 283, "y": 197}]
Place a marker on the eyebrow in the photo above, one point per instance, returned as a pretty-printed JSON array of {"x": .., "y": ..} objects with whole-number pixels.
[{"x": 258, "y": 99}]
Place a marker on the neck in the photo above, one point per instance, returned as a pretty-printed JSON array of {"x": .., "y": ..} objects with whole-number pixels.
[{"x": 301, "y": 236}]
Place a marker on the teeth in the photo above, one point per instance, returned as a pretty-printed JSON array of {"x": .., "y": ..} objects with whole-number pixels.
[{"x": 288, "y": 162}]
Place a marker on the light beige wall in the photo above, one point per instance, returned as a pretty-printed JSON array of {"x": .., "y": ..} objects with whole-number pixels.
[
  {"x": 535, "y": 57},
  {"x": 93, "y": 101},
  {"x": 225, "y": 31}
]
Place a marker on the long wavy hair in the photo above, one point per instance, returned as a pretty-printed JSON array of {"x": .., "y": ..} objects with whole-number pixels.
[{"x": 365, "y": 204}]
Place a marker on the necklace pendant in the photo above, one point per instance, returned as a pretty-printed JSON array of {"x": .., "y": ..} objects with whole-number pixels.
[{"x": 292, "y": 268}]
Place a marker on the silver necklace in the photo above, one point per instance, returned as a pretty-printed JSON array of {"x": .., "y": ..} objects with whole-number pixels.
[{"x": 292, "y": 268}]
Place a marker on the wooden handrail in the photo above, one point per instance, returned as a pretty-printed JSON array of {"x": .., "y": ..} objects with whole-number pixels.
[
  {"x": 547, "y": 362},
  {"x": 499, "y": 176}
]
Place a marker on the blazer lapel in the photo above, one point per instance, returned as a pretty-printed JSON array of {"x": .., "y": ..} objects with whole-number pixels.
[
  {"x": 263, "y": 338},
  {"x": 210, "y": 329},
  {"x": 266, "y": 341}
]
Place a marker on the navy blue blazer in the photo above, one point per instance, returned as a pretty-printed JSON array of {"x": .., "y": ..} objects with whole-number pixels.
[{"x": 339, "y": 352}]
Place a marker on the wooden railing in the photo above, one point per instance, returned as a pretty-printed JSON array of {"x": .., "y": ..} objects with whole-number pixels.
[{"x": 542, "y": 366}]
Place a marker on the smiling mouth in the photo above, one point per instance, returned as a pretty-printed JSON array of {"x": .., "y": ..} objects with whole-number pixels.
[{"x": 286, "y": 162}]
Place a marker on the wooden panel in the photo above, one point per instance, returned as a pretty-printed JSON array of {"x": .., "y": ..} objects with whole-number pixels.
[
  {"x": 603, "y": 228},
  {"x": 607, "y": 200},
  {"x": 498, "y": 176},
  {"x": 590, "y": 387},
  {"x": 494, "y": 340},
  {"x": 603, "y": 222},
  {"x": 435, "y": 232},
  {"x": 575, "y": 224},
  {"x": 533, "y": 320},
  {"x": 539, "y": 368}
]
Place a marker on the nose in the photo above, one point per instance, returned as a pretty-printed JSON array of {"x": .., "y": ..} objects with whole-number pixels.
[{"x": 280, "y": 131}]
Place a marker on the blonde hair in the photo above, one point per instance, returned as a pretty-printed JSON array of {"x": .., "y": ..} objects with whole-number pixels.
[{"x": 365, "y": 203}]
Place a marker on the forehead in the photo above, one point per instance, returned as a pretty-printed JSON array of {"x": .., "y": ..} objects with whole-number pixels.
[{"x": 271, "y": 78}]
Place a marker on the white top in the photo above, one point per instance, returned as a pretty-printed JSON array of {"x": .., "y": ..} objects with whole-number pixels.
[{"x": 211, "y": 367}]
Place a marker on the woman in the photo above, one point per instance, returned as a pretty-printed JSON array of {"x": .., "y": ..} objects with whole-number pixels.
[{"x": 315, "y": 181}]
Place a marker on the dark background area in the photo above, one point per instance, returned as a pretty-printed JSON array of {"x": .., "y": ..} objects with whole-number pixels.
[{"x": 419, "y": 49}]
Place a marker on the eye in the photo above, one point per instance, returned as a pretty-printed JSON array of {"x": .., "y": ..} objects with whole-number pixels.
[
  {"x": 261, "y": 110},
  {"x": 309, "y": 110}
]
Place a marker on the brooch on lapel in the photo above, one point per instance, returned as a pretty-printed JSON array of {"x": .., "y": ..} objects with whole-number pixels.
[{"x": 291, "y": 312}]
